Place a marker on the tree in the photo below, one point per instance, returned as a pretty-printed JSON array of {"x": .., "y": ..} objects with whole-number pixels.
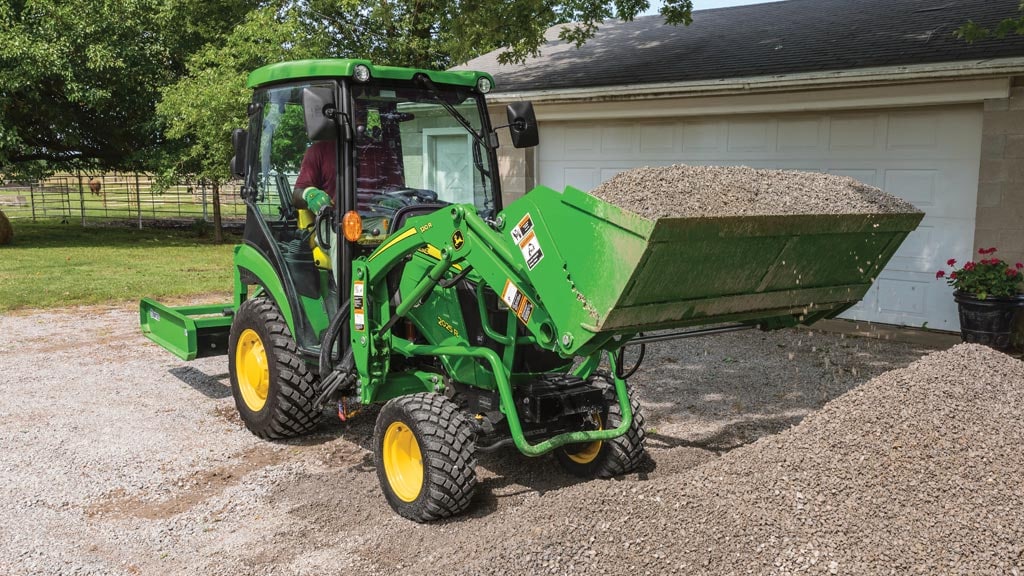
[
  {"x": 972, "y": 31},
  {"x": 202, "y": 108},
  {"x": 443, "y": 33},
  {"x": 79, "y": 79}
]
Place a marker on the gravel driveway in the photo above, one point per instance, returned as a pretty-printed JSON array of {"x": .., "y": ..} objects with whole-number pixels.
[{"x": 115, "y": 458}]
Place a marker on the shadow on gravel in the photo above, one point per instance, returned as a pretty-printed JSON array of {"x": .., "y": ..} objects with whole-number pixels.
[
  {"x": 728, "y": 437},
  {"x": 211, "y": 386}
]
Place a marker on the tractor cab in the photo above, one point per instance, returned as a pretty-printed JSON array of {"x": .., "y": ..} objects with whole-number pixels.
[{"x": 338, "y": 153}]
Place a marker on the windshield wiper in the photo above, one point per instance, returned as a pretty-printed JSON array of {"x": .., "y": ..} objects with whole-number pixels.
[
  {"x": 478, "y": 162},
  {"x": 425, "y": 81}
]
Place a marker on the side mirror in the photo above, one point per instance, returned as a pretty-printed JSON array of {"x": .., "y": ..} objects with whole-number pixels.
[
  {"x": 522, "y": 125},
  {"x": 319, "y": 107},
  {"x": 239, "y": 142}
]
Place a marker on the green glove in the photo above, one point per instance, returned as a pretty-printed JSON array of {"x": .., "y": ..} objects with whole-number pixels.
[{"x": 315, "y": 199}]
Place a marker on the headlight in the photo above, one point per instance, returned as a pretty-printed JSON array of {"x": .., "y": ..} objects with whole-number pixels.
[
  {"x": 361, "y": 73},
  {"x": 483, "y": 84}
]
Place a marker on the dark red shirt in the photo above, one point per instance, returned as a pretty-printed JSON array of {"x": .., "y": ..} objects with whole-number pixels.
[{"x": 319, "y": 168}]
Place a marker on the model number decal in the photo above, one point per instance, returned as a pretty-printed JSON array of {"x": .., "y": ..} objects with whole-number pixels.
[{"x": 447, "y": 326}]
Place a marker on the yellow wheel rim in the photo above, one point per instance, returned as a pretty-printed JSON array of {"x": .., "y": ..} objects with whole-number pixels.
[
  {"x": 403, "y": 463},
  {"x": 586, "y": 453},
  {"x": 252, "y": 370}
]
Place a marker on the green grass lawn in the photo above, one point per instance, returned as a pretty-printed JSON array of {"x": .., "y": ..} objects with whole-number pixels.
[{"x": 51, "y": 264}]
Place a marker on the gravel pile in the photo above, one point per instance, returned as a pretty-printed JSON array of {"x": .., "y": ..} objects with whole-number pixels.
[
  {"x": 682, "y": 191},
  {"x": 119, "y": 459},
  {"x": 919, "y": 471}
]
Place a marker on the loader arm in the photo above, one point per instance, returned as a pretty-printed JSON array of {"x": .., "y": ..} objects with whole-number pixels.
[{"x": 462, "y": 241}]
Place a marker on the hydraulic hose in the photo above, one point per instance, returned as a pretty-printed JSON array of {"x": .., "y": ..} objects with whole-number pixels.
[
  {"x": 620, "y": 371},
  {"x": 330, "y": 336}
]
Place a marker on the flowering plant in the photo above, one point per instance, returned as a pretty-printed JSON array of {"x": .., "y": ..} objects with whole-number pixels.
[{"x": 986, "y": 277}]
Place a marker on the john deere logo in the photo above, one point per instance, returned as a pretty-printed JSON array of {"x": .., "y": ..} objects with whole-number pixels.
[{"x": 457, "y": 239}]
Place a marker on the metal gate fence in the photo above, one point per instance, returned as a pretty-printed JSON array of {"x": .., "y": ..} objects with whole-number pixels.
[{"x": 125, "y": 197}]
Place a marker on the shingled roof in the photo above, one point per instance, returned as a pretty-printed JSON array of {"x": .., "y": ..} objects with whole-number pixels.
[{"x": 794, "y": 36}]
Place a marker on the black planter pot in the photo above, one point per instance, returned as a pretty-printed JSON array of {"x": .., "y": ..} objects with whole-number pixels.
[{"x": 989, "y": 321}]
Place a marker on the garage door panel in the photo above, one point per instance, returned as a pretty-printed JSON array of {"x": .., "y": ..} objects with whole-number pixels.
[
  {"x": 929, "y": 156},
  {"x": 916, "y": 252},
  {"x": 702, "y": 137},
  {"x": 903, "y": 297},
  {"x": 799, "y": 135},
  {"x": 751, "y": 136},
  {"x": 581, "y": 142},
  {"x": 617, "y": 140},
  {"x": 912, "y": 131},
  {"x": 658, "y": 139},
  {"x": 914, "y": 186},
  {"x": 857, "y": 132}
]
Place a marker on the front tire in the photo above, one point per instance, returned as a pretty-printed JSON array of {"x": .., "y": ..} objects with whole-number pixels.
[
  {"x": 274, "y": 392},
  {"x": 424, "y": 451},
  {"x": 607, "y": 458}
]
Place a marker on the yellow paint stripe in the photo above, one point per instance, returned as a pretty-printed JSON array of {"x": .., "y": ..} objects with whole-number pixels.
[
  {"x": 391, "y": 243},
  {"x": 435, "y": 253}
]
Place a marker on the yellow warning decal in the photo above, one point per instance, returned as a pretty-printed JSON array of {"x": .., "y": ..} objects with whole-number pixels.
[{"x": 517, "y": 302}]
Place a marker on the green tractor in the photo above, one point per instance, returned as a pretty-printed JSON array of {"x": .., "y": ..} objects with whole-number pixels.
[{"x": 379, "y": 266}]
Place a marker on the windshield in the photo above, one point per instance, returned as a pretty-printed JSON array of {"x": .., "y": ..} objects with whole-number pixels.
[{"x": 411, "y": 149}]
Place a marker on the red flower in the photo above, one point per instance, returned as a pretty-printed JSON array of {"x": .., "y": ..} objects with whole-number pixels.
[
  {"x": 951, "y": 262},
  {"x": 969, "y": 266},
  {"x": 1012, "y": 273},
  {"x": 1019, "y": 265},
  {"x": 941, "y": 274},
  {"x": 986, "y": 250},
  {"x": 952, "y": 276}
]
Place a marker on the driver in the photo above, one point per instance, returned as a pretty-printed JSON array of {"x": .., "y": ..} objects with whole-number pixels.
[
  {"x": 379, "y": 167},
  {"x": 319, "y": 169}
]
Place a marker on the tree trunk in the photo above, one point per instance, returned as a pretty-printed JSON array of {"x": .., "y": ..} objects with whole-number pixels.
[{"x": 218, "y": 231}]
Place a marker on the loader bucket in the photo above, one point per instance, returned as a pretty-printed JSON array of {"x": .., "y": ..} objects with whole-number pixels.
[{"x": 605, "y": 271}]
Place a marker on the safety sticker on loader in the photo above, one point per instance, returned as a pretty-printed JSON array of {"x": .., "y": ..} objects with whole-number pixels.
[
  {"x": 526, "y": 238},
  {"x": 517, "y": 301},
  {"x": 358, "y": 316}
]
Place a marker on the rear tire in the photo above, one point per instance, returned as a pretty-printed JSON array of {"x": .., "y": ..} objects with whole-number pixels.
[
  {"x": 273, "y": 390},
  {"x": 424, "y": 451},
  {"x": 608, "y": 458}
]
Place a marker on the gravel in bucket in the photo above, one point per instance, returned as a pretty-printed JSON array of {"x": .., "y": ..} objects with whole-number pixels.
[{"x": 681, "y": 191}]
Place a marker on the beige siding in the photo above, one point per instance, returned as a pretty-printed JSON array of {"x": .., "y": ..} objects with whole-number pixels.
[{"x": 1000, "y": 220}]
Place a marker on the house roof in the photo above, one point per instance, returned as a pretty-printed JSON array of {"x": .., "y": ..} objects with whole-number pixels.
[{"x": 794, "y": 36}]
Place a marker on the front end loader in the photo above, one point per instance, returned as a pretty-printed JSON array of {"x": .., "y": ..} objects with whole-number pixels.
[{"x": 398, "y": 278}]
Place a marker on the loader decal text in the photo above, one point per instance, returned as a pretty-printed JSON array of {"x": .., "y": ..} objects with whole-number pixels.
[
  {"x": 526, "y": 238},
  {"x": 358, "y": 295},
  {"x": 517, "y": 301}
]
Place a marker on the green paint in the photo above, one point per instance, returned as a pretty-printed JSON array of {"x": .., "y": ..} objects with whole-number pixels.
[
  {"x": 249, "y": 258},
  {"x": 188, "y": 332},
  {"x": 337, "y": 68}
]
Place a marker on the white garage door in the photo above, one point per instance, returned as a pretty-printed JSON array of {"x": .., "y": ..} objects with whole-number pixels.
[{"x": 929, "y": 156}]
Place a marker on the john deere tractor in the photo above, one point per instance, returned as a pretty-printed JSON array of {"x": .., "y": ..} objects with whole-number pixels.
[{"x": 380, "y": 266}]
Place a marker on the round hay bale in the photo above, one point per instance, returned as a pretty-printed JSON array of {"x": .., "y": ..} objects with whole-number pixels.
[{"x": 6, "y": 231}]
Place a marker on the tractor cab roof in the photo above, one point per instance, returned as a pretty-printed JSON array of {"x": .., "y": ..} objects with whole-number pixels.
[{"x": 339, "y": 67}]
